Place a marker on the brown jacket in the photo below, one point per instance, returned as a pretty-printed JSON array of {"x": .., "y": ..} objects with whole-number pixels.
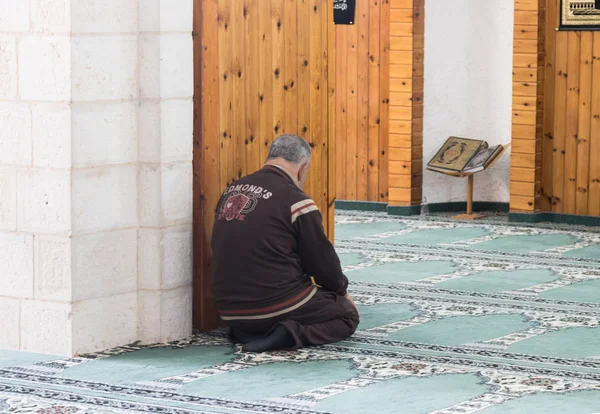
[{"x": 267, "y": 239}]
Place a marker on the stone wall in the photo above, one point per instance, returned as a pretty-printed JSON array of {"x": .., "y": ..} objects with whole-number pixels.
[{"x": 95, "y": 173}]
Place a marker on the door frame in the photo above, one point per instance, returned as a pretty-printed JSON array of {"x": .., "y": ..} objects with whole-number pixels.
[{"x": 206, "y": 138}]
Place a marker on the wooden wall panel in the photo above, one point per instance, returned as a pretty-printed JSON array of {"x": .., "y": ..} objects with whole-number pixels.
[
  {"x": 571, "y": 119},
  {"x": 373, "y": 101},
  {"x": 384, "y": 97},
  {"x": 207, "y": 155},
  {"x": 361, "y": 106},
  {"x": 407, "y": 31},
  {"x": 352, "y": 168},
  {"x": 594, "y": 179},
  {"x": 262, "y": 68},
  {"x": 528, "y": 103},
  {"x": 582, "y": 141}
]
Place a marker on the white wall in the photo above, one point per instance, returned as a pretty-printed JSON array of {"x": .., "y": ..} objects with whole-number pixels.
[
  {"x": 96, "y": 121},
  {"x": 468, "y": 90}
]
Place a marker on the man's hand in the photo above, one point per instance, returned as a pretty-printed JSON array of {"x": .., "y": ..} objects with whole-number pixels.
[{"x": 351, "y": 300}]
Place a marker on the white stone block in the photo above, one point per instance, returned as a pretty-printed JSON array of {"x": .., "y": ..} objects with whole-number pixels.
[
  {"x": 149, "y": 258},
  {"x": 14, "y": 16},
  {"x": 8, "y": 67},
  {"x": 104, "y": 264},
  {"x": 9, "y": 323},
  {"x": 176, "y": 66},
  {"x": 176, "y": 194},
  {"x": 44, "y": 200},
  {"x": 100, "y": 324},
  {"x": 15, "y": 133},
  {"x": 176, "y": 314},
  {"x": 51, "y": 15},
  {"x": 149, "y": 20},
  {"x": 16, "y": 272},
  {"x": 51, "y": 135},
  {"x": 149, "y": 132},
  {"x": 104, "y": 68},
  {"x": 150, "y": 66},
  {"x": 45, "y": 68},
  {"x": 46, "y": 327},
  {"x": 104, "y": 198},
  {"x": 176, "y": 19},
  {"x": 104, "y": 133},
  {"x": 149, "y": 195},
  {"x": 177, "y": 257},
  {"x": 104, "y": 16},
  {"x": 52, "y": 268},
  {"x": 8, "y": 198},
  {"x": 177, "y": 130},
  {"x": 149, "y": 316}
]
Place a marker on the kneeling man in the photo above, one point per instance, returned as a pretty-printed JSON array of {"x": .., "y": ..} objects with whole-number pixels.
[{"x": 268, "y": 240}]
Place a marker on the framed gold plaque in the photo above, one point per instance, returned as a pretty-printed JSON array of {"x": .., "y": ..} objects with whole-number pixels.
[{"x": 579, "y": 15}]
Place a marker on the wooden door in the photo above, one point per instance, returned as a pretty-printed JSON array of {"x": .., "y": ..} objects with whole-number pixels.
[{"x": 262, "y": 69}]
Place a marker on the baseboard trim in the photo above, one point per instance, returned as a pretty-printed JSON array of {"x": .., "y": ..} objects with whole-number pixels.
[
  {"x": 361, "y": 205},
  {"x": 451, "y": 207},
  {"x": 404, "y": 210},
  {"x": 458, "y": 206},
  {"x": 558, "y": 218}
]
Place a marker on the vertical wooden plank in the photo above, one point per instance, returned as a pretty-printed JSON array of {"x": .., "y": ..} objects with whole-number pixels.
[
  {"x": 549, "y": 107},
  {"x": 206, "y": 156},
  {"x": 340, "y": 110},
  {"x": 327, "y": 69},
  {"x": 373, "y": 139},
  {"x": 362, "y": 133},
  {"x": 571, "y": 122},
  {"x": 583, "y": 133},
  {"x": 594, "y": 198},
  {"x": 239, "y": 90},
  {"x": 252, "y": 83},
  {"x": 328, "y": 37},
  {"x": 304, "y": 86},
  {"x": 317, "y": 112},
  {"x": 560, "y": 93},
  {"x": 266, "y": 79},
  {"x": 527, "y": 97},
  {"x": 384, "y": 97},
  {"x": 225, "y": 93},
  {"x": 417, "y": 101},
  {"x": 352, "y": 112},
  {"x": 291, "y": 67},
  {"x": 278, "y": 62}
]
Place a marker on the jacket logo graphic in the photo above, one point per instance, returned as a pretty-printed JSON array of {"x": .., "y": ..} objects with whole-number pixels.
[
  {"x": 234, "y": 205},
  {"x": 239, "y": 200}
]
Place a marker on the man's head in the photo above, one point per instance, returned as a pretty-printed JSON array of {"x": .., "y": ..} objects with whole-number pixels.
[{"x": 292, "y": 153}]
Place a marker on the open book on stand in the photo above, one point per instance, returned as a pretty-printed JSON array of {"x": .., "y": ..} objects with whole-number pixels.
[{"x": 464, "y": 156}]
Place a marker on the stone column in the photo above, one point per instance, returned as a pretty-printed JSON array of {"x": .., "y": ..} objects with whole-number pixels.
[
  {"x": 165, "y": 173},
  {"x": 95, "y": 173}
]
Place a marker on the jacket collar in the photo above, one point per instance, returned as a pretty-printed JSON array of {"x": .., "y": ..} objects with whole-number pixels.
[{"x": 280, "y": 171}]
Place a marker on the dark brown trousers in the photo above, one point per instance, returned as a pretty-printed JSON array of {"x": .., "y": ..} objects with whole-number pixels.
[{"x": 326, "y": 318}]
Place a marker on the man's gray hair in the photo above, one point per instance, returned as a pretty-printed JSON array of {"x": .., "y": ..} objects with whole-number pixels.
[{"x": 291, "y": 148}]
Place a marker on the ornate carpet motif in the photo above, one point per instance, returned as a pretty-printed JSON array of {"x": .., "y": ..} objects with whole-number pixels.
[{"x": 455, "y": 318}]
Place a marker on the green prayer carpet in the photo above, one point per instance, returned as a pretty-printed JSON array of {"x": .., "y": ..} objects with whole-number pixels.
[{"x": 456, "y": 317}]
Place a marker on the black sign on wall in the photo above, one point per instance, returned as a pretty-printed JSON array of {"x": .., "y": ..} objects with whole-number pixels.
[{"x": 343, "y": 11}]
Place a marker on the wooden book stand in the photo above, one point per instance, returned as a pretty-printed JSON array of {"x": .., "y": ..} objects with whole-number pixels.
[{"x": 470, "y": 183}]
